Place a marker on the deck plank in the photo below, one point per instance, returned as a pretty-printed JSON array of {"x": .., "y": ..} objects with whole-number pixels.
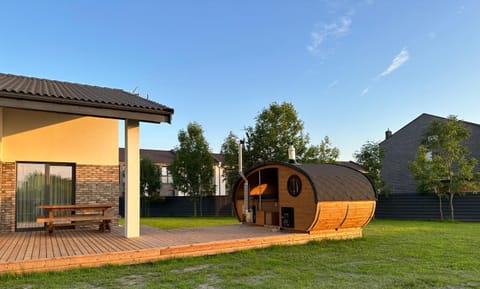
[
  {"x": 10, "y": 254},
  {"x": 71, "y": 248},
  {"x": 30, "y": 247},
  {"x": 60, "y": 247},
  {"x": 66, "y": 240},
  {"x": 22, "y": 250}
]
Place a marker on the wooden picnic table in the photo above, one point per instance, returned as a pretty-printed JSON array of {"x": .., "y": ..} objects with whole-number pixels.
[{"x": 80, "y": 214}]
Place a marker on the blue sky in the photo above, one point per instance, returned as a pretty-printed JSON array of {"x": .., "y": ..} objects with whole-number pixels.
[{"x": 352, "y": 69}]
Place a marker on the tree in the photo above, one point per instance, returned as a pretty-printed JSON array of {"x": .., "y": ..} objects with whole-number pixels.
[
  {"x": 371, "y": 157},
  {"x": 442, "y": 164},
  {"x": 327, "y": 153},
  {"x": 192, "y": 169},
  {"x": 149, "y": 178},
  {"x": 229, "y": 151},
  {"x": 149, "y": 183},
  {"x": 276, "y": 128},
  {"x": 425, "y": 170}
]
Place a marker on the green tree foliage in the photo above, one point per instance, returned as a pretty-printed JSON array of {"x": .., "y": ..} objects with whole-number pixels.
[
  {"x": 192, "y": 169},
  {"x": 276, "y": 127},
  {"x": 149, "y": 184},
  {"x": 229, "y": 151},
  {"x": 326, "y": 152},
  {"x": 149, "y": 179},
  {"x": 442, "y": 164},
  {"x": 371, "y": 157}
]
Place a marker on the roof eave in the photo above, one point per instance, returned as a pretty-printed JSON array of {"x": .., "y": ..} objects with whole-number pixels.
[{"x": 14, "y": 101}]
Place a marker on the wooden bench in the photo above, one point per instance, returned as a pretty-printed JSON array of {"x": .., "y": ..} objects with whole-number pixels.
[
  {"x": 81, "y": 215},
  {"x": 77, "y": 220}
]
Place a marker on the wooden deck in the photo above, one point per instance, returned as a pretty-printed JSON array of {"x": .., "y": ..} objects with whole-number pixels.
[{"x": 39, "y": 251}]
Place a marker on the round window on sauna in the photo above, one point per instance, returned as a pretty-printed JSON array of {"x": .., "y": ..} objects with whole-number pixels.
[{"x": 294, "y": 185}]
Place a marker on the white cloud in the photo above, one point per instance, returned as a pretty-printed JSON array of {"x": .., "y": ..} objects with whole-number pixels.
[
  {"x": 333, "y": 83},
  {"x": 365, "y": 91},
  {"x": 398, "y": 61},
  {"x": 322, "y": 33}
]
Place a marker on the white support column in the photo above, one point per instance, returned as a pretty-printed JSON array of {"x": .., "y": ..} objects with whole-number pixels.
[{"x": 132, "y": 178}]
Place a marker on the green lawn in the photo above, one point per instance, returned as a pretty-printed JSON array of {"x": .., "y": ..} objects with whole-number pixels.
[
  {"x": 392, "y": 254},
  {"x": 186, "y": 222}
]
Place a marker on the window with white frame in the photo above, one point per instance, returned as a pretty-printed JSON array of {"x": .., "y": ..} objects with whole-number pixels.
[{"x": 166, "y": 178}]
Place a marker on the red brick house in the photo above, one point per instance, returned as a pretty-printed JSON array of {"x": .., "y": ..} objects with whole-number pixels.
[{"x": 59, "y": 145}]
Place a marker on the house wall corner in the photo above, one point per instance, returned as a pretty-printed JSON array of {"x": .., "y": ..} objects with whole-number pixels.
[{"x": 7, "y": 196}]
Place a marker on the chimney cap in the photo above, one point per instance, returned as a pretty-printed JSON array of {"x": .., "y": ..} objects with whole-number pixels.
[
  {"x": 291, "y": 154},
  {"x": 388, "y": 133}
]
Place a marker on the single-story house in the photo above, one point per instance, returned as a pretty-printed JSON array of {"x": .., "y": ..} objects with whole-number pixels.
[
  {"x": 403, "y": 201},
  {"x": 59, "y": 145},
  {"x": 163, "y": 158}
]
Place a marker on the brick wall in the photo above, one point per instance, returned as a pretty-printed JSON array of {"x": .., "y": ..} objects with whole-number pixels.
[
  {"x": 97, "y": 184},
  {"x": 94, "y": 184},
  {"x": 7, "y": 197}
]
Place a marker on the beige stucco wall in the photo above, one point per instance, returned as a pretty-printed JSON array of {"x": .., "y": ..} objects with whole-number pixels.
[{"x": 53, "y": 137}]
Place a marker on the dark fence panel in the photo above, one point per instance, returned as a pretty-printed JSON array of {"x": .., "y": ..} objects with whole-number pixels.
[
  {"x": 426, "y": 207},
  {"x": 183, "y": 207}
]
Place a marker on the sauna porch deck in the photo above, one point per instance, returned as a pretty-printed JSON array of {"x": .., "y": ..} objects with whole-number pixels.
[{"x": 65, "y": 249}]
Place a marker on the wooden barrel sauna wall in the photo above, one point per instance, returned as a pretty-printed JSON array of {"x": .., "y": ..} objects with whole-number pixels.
[{"x": 306, "y": 197}]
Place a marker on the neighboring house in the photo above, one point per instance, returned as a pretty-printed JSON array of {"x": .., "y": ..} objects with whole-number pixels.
[
  {"x": 59, "y": 145},
  {"x": 403, "y": 200},
  {"x": 163, "y": 158}
]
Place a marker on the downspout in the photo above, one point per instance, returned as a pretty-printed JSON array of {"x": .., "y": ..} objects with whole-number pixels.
[{"x": 246, "y": 210}]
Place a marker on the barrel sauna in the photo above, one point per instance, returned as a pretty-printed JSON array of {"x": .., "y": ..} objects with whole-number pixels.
[{"x": 306, "y": 197}]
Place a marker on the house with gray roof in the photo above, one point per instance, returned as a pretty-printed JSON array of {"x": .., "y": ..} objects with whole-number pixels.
[
  {"x": 403, "y": 200},
  {"x": 163, "y": 158},
  {"x": 59, "y": 145}
]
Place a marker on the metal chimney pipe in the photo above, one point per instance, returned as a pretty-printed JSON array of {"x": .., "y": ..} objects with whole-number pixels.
[
  {"x": 246, "y": 209},
  {"x": 291, "y": 154}
]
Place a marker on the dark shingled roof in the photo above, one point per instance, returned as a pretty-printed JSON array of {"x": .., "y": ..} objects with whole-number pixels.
[
  {"x": 156, "y": 156},
  {"x": 42, "y": 91},
  {"x": 331, "y": 182},
  {"x": 219, "y": 158},
  {"x": 161, "y": 156},
  {"x": 353, "y": 165},
  {"x": 338, "y": 183}
]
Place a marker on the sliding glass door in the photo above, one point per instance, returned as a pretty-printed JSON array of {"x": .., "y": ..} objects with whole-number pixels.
[{"x": 41, "y": 184}]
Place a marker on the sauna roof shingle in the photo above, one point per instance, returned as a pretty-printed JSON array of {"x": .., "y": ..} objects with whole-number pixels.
[{"x": 330, "y": 182}]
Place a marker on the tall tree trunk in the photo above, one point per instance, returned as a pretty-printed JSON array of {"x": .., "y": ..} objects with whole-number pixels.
[
  {"x": 195, "y": 207},
  {"x": 452, "y": 213},
  {"x": 441, "y": 206}
]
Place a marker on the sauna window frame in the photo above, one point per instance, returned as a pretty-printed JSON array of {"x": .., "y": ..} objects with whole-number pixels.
[{"x": 294, "y": 185}]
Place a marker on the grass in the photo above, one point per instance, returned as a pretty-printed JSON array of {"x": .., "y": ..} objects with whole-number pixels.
[
  {"x": 392, "y": 254},
  {"x": 186, "y": 222}
]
